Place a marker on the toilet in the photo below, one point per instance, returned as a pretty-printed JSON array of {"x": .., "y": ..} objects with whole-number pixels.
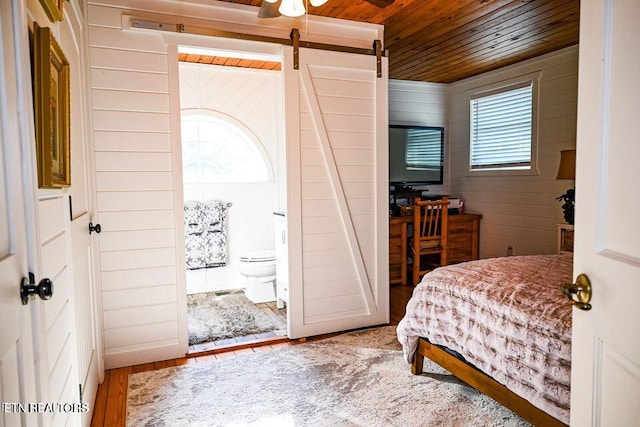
[{"x": 260, "y": 270}]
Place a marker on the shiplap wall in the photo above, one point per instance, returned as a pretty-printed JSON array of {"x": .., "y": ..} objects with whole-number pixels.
[
  {"x": 519, "y": 210},
  {"x": 134, "y": 79},
  {"x": 135, "y": 192},
  {"x": 251, "y": 98},
  {"x": 420, "y": 103}
]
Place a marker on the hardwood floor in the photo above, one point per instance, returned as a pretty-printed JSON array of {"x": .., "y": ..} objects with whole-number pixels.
[{"x": 110, "y": 405}]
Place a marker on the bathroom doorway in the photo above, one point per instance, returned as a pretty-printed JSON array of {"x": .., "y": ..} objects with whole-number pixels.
[{"x": 233, "y": 183}]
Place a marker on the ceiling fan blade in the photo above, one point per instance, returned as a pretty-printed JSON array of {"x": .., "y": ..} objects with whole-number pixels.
[
  {"x": 269, "y": 10},
  {"x": 381, "y": 3}
]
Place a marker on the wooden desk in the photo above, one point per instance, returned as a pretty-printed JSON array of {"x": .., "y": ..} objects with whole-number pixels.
[
  {"x": 565, "y": 238},
  {"x": 463, "y": 242}
]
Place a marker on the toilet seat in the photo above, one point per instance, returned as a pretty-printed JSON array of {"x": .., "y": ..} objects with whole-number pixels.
[{"x": 260, "y": 256}]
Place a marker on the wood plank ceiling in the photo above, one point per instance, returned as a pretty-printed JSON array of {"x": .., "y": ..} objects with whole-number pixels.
[
  {"x": 448, "y": 40},
  {"x": 230, "y": 62}
]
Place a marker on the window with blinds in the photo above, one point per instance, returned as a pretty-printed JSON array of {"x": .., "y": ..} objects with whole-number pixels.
[{"x": 501, "y": 128}]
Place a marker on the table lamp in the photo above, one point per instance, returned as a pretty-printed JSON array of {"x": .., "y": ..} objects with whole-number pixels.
[{"x": 567, "y": 170}]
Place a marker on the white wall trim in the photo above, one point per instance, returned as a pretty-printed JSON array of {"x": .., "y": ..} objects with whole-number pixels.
[
  {"x": 178, "y": 197},
  {"x": 293, "y": 197},
  {"x": 382, "y": 191},
  {"x": 144, "y": 355}
]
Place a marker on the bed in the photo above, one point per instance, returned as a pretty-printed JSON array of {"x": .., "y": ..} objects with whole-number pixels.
[{"x": 501, "y": 325}]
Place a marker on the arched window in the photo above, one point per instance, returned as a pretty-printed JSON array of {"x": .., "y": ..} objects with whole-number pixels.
[{"x": 216, "y": 150}]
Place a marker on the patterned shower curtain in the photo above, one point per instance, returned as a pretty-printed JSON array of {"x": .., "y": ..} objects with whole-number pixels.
[{"x": 205, "y": 233}]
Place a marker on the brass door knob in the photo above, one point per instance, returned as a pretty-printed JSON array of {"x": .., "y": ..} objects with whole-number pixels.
[{"x": 579, "y": 293}]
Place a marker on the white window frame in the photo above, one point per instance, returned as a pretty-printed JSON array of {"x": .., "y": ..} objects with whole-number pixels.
[{"x": 504, "y": 86}]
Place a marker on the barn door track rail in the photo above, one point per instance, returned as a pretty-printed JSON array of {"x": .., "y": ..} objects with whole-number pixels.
[{"x": 293, "y": 40}]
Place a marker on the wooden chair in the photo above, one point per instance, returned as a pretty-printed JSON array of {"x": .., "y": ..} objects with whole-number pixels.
[{"x": 429, "y": 234}]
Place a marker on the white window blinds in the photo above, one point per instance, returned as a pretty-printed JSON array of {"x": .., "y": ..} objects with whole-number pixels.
[
  {"x": 501, "y": 129},
  {"x": 424, "y": 148}
]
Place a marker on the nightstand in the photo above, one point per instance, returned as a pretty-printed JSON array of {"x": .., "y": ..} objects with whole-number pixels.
[{"x": 565, "y": 238}]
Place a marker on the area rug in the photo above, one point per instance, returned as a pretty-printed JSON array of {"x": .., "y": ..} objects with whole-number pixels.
[
  {"x": 214, "y": 317},
  {"x": 336, "y": 382}
]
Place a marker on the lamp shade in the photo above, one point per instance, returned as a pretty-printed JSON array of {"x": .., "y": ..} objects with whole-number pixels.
[
  {"x": 269, "y": 9},
  {"x": 567, "y": 168},
  {"x": 292, "y": 8},
  {"x": 316, "y": 3}
]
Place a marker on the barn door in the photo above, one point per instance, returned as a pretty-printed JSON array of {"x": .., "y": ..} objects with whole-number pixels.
[
  {"x": 337, "y": 191},
  {"x": 17, "y": 378}
]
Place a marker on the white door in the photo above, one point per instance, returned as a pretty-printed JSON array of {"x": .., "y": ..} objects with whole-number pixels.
[
  {"x": 605, "y": 381},
  {"x": 81, "y": 207},
  {"x": 17, "y": 379},
  {"x": 337, "y": 191},
  {"x": 69, "y": 357}
]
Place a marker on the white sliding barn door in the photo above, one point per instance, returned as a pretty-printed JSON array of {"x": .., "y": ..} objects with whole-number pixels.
[
  {"x": 605, "y": 366},
  {"x": 337, "y": 185}
]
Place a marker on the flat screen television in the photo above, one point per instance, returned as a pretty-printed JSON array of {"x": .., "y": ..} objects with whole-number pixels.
[{"x": 416, "y": 154}]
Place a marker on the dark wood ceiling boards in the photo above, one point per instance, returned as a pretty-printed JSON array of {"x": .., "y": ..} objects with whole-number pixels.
[
  {"x": 449, "y": 40},
  {"x": 230, "y": 62}
]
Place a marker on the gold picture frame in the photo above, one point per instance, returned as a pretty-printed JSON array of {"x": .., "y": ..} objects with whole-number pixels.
[
  {"x": 52, "y": 111},
  {"x": 54, "y": 9}
]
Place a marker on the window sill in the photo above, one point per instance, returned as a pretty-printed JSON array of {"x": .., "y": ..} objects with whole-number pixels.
[{"x": 503, "y": 172}]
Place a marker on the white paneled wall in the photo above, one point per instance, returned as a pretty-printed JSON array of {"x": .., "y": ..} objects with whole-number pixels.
[
  {"x": 252, "y": 99},
  {"x": 425, "y": 104},
  {"x": 134, "y": 93},
  {"x": 135, "y": 193},
  {"x": 519, "y": 210},
  {"x": 136, "y": 118}
]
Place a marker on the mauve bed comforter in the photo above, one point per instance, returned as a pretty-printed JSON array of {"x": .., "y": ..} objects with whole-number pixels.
[{"x": 507, "y": 317}]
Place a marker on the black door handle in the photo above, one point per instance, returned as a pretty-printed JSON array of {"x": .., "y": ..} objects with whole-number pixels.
[
  {"x": 97, "y": 228},
  {"x": 28, "y": 287}
]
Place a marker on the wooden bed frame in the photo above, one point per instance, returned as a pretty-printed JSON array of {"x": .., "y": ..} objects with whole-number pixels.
[{"x": 481, "y": 382}]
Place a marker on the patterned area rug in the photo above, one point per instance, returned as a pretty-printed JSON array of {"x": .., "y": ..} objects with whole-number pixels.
[
  {"x": 357, "y": 379},
  {"x": 212, "y": 317}
]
